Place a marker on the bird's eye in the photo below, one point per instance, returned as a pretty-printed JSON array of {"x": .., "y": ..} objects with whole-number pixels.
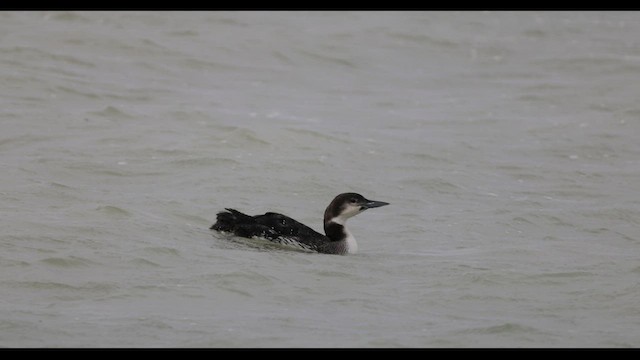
[{"x": 353, "y": 200}]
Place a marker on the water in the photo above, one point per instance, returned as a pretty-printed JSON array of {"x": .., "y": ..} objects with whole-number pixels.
[{"x": 506, "y": 143}]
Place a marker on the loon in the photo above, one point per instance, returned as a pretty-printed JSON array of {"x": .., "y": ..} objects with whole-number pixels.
[{"x": 284, "y": 230}]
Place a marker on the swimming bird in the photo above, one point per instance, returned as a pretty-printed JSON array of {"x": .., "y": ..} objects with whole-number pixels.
[{"x": 287, "y": 231}]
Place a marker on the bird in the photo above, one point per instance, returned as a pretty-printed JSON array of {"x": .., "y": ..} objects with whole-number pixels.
[{"x": 284, "y": 230}]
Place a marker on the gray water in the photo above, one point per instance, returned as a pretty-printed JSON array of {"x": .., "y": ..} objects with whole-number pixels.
[{"x": 506, "y": 142}]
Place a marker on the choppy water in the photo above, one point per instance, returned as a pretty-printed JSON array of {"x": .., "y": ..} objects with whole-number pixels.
[{"x": 506, "y": 142}]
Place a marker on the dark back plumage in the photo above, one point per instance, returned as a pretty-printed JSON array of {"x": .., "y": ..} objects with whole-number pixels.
[
  {"x": 272, "y": 226},
  {"x": 285, "y": 230}
]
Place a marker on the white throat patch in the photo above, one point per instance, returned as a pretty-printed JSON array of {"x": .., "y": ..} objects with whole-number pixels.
[{"x": 346, "y": 213}]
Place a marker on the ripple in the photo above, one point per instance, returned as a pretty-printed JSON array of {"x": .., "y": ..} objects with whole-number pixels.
[
  {"x": 424, "y": 157},
  {"x": 424, "y": 39},
  {"x": 40, "y": 285},
  {"x": 112, "y": 112},
  {"x": 113, "y": 211},
  {"x": 164, "y": 250},
  {"x": 204, "y": 161},
  {"x": 332, "y": 273},
  {"x": 240, "y": 282},
  {"x": 552, "y": 219},
  {"x": 628, "y": 215},
  {"x": 535, "y": 33},
  {"x": 203, "y": 65},
  {"x": 237, "y": 277},
  {"x": 313, "y": 134},
  {"x": 144, "y": 262},
  {"x": 434, "y": 185},
  {"x": 506, "y": 328},
  {"x": 28, "y": 51},
  {"x": 68, "y": 90},
  {"x": 67, "y": 262},
  {"x": 329, "y": 59},
  {"x": 13, "y": 262},
  {"x": 67, "y": 16},
  {"x": 91, "y": 286},
  {"x": 564, "y": 274},
  {"x": 22, "y": 140},
  {"x": 522, "y": 220},
  {"x": 183, "y": 33}
]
